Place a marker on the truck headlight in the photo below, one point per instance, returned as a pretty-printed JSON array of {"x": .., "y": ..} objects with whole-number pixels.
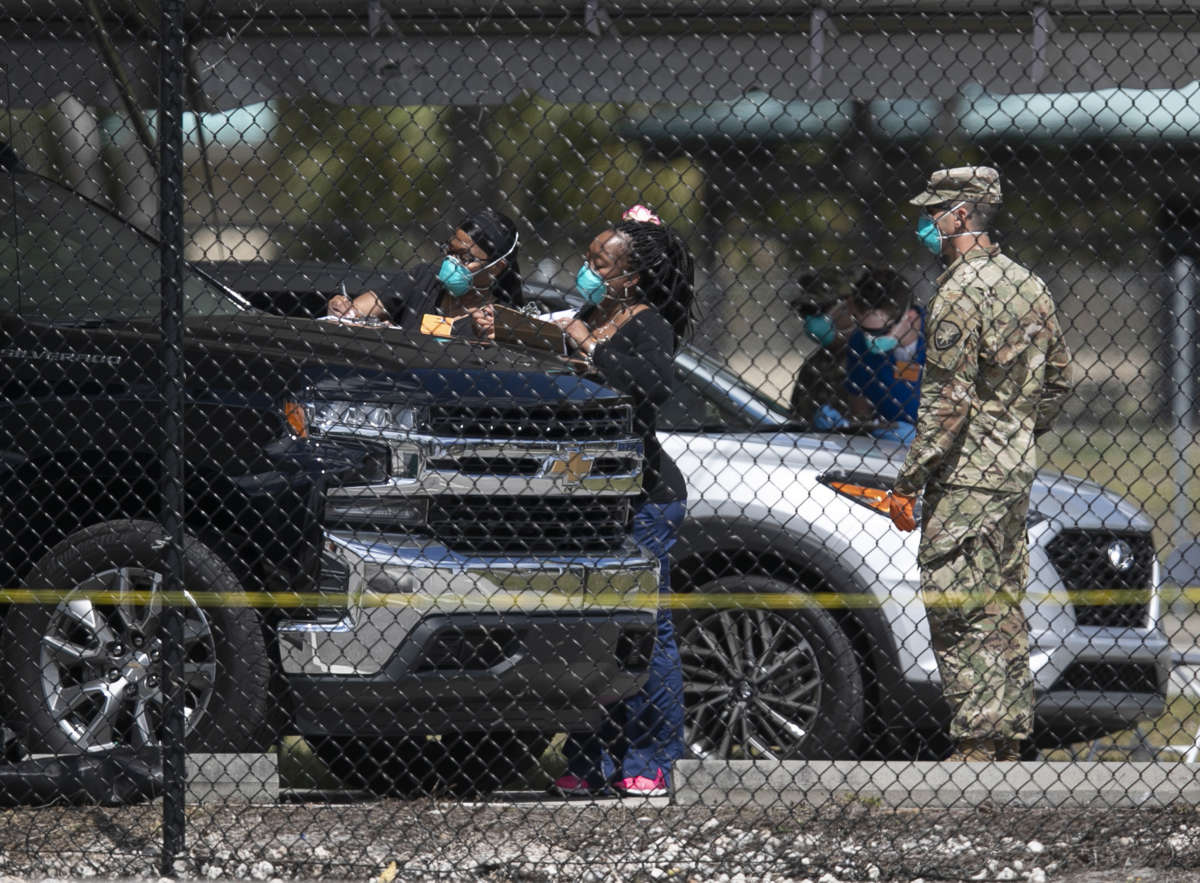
[
  {"x": 382, "y": 513},
  {"x": 331, "y": 417}
]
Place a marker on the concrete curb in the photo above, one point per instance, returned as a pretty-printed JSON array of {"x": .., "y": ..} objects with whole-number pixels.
[
  {"x": 232, "y": 778},
  {"x": 929, "y": 784}
]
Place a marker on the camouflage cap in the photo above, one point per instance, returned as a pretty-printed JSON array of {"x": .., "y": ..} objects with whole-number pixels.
[{"x": 966, "y": 183}]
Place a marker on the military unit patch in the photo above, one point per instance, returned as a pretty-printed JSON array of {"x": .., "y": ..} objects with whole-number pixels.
[{"x": 946, "y": 335}]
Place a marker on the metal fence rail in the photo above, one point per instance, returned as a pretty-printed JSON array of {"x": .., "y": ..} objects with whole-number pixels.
[{"x": 480, "y": 443}]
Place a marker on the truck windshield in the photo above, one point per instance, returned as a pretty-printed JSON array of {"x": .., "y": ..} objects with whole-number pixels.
[{"x": 64, "y": 259}]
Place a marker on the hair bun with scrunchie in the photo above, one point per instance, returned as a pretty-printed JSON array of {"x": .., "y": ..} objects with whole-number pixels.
[{"x": 641, "y": 213}]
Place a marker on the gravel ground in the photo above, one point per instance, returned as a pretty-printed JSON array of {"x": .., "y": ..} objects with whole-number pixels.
[{"x": 429, "y": 840}]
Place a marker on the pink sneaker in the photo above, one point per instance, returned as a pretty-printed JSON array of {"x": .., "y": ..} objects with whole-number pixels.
[
  {"x": 640, "y": 786},
  {"x": 571, "y": 786}
]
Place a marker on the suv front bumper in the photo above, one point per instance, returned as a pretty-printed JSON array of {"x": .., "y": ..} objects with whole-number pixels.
[
  {"x": 1102, "y": 680},
  {"x": 431, "y": 641}
]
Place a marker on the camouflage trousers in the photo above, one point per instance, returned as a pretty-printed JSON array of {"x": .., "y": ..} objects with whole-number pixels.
[{"x": 974, "y": 558}]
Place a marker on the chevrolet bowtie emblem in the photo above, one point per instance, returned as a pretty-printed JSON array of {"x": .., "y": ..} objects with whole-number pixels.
[{"x": 574, "y": 467}]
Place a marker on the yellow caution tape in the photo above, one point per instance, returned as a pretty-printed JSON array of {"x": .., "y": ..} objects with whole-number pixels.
[{"x": 534, "y": 600}]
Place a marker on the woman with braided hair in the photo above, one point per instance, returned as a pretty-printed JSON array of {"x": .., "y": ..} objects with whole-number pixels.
[{"x": 638, "y": 284}]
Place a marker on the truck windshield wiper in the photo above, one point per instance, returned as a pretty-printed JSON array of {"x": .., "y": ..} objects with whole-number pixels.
[{"x": 83, "y": 323}]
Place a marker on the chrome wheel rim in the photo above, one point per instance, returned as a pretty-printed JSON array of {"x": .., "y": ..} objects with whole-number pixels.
[
  {"x": 100, "y": 661},
  {"x": 752, "y": 685}
]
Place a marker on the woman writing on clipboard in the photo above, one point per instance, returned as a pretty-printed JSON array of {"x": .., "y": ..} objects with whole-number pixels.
[{"x": 478, "y": 269}]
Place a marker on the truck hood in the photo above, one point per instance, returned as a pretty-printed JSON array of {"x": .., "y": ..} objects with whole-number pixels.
[{"x": 286, "y": 355}]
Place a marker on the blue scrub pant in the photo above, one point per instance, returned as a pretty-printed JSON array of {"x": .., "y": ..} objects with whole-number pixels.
[{"x": 644, "y": 733}]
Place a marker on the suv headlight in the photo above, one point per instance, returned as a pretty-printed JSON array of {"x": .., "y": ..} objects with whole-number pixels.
[
  {"x": 866, "y": 490},
  {"x": 872, "y": 491},
  {"x": 331, "y": 417}
]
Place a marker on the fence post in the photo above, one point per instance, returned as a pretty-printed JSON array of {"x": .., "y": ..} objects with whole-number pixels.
[
  {"x": 170, "y": 140},
  {"x": 1183, "y": 371}
]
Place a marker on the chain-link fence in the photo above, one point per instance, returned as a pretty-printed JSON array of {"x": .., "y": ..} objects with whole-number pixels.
[{"x": 486, "y": 442}]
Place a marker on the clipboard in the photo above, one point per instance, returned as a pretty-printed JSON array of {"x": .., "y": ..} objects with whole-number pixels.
[
  {"x": 440, "y": 326},
  {"x": 513, "y": 326}
]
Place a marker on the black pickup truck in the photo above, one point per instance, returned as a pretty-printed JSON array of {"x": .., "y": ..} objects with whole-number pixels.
[{"x": 445, "y": 521}]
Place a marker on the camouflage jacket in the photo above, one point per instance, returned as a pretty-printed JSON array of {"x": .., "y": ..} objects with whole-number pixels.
[{"x": 996, "y": 374}]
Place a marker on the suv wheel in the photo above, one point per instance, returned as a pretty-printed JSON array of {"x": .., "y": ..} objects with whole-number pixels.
[
  {"x": 767, "y": 683},
  {"x": 83, "y": 673}
]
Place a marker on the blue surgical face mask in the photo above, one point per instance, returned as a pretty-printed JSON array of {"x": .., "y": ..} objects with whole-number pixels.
[
  {"x": 590, "y": 284},
  {"x": 929, "y": 234},
  {"x": 820, "y": 329},
  {"x": 455, "y": 275},
  {"x": 882, "y": 344},
  {"x": 931, "y": 237},
  {"x": 882, "y": 341}
]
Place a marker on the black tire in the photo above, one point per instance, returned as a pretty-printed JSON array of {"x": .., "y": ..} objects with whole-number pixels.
[
  {"x": 81, "y": 675},
  {"x": 460, "y": 764},
  {"x": 765, "y": 682}
]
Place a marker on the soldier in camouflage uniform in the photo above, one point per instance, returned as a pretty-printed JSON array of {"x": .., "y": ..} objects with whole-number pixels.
[{"x": 996, "y": 373}]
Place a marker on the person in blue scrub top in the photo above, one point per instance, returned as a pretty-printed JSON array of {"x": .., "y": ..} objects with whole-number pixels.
[{"x": 885, "y": 355}]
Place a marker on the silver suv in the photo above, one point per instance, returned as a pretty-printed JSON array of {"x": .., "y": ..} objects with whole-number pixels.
[{"x": 806, "y": 636}]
